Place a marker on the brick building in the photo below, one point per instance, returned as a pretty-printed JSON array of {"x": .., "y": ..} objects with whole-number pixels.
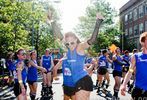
[{"x": 133, "y": 20}]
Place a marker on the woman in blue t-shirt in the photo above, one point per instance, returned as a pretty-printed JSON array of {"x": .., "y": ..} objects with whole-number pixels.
[
  {"x": 20, "y": 76},
  {"x": 47, "y": 63},
  {"x": 139, "y": 66},
  {"x": 76, "y": 57},
  {"x": 68, "y": 83},
  {"x": 10, "y": 63},
  {"x": 33, "y": 74},
  {"x": 117, "y": 72}
]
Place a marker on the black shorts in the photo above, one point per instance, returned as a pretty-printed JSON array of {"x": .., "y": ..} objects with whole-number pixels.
[
  {"x": 17, "y": 89},
  {"x": 139, "y": 94},
  {"x": 31, "y": 82},
  {"x": 102, "y": 70},
  {"x": 117, "y": 73},
  {"x": 84, "y": 83},
  {"x": 125, "y": 69},
  {"x": 69, "y": 91},
  {"x": 47, "y": 72}
]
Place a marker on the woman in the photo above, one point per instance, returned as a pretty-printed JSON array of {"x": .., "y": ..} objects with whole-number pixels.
[
  {"x": 139, "y": 66},
  {"x": 117, "y": 72},
  {"x": 102, "y": 70},
  {"x": 11, "y": 67},
  {"x": 68, "y": 84},
  {"x": 47, "y": 63},
  {"x": 76, "y": 57},
  {"x": 33, "y": 74},
  {"x": 20, "y": 75}
]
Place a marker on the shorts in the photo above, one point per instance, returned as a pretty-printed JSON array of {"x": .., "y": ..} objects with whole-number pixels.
[
  {"x": 84, "y": 83},
  {"x": 48, "y": 71},
  {"x": 69, "y": 91},
  {"x": 139, "y": 94},
  {"x": 117, "y": 73},
  {"x": 17, "y": 89},
  {"x": 102, "y": 71},
  {"x": 125, "y": 69},
  {"x": 31, "y": 82}
]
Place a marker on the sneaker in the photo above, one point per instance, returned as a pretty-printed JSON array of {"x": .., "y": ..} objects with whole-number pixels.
[{"x": 98, "y": 90}]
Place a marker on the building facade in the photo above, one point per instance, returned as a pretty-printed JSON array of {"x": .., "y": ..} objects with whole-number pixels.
[{"x": 133, "y": 20}]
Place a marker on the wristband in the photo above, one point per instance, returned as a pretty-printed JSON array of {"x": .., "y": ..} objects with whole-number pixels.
[
  {"x": 131, "y": 70},
  {"x": 19, "y": 69},
  {"x": 20, "y": 81}
]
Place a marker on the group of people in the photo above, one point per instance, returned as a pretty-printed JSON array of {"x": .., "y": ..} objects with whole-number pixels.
[
  {"x": 77, "y": 83},
  {"x": 24, "y": 69}
]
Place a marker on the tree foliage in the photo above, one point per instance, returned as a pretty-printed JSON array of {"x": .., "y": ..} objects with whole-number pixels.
[
  {"x": 109, "y": 31},
  {"x": 20, "y": 25}
]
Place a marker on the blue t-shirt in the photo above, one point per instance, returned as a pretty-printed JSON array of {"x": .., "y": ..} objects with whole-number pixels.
[
  {"x": 76, "y": 65},
  {"x": 127, "y": 58},
  {"x": 141, "y": 70},
  {"x": 23, "y": 73},
  {"x": 117, "y": 66},
  {"x": 46, "y": 61},
  {"x": 67, "y": 76},
  {"x": 103, "y": 61},
  {"x": 88, "y": 60},
  {"x": 10, "y": 65},
  {"x": 32, "y": 73}
]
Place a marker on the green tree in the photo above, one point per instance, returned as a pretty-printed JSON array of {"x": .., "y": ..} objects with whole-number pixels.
[
  {"x": 109, "y": 31},
  {"x": 12, "y": 33},
  {"x": 20, "y": 25}
]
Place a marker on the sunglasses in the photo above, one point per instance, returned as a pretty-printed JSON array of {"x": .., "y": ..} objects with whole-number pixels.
[{"x": 69, "y": 43}]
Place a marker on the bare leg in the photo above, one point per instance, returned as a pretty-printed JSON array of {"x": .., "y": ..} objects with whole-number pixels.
[
  {"x": 66, "y": 97},
  {"x": 49, "y": 79},
  {"x": 44, "y": 79},
  {"x": 83, "y": 95},
  {"x": 117, "y": 85}
]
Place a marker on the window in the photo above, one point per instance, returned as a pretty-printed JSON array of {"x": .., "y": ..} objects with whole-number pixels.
[
  {"x": 141, "y": 28},
  {"x": 146, "y": 26},
  {"x": 130, "y": 15},
  {"x": 136, "y": 30},
  {"x": 130, "y": 31},
  {"x": 146, "y": 8},
  {"x": 136, "y": 42},
  {"x": 126, "y": 32},
  {"x": 140, "y": 11},
  {"x": 135, "y": 13},
  {"x": 126, "y": 18}
]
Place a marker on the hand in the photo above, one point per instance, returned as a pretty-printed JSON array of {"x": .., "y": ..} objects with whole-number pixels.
[
  {"x": 44, "y": 70},
  {"x": 123, "y": 90},
  {"x": 99, "y": 16}
]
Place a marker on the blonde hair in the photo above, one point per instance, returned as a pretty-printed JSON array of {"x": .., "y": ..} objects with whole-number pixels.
[
  {"x": 71, "y": 34},
  {"x": 143, "y": 36}
]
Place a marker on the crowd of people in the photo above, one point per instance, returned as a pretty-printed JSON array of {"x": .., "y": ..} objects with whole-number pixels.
[{"x": 77, "y": 69}]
